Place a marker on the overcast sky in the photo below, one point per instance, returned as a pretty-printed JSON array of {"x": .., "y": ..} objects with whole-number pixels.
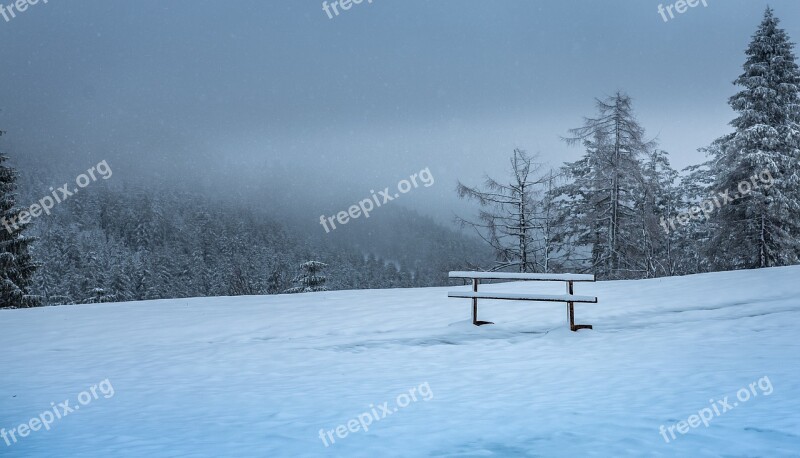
[{"x": 250, "y": 94}]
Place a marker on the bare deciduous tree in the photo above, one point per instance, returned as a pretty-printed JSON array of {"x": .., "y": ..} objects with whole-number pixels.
[{"x": 516, "y": 219}]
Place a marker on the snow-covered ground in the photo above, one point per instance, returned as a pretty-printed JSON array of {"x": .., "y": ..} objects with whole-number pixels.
[{"x": 261, "y": 376}]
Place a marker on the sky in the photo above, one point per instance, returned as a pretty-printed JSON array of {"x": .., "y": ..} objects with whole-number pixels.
[{"x": 276, "y": 101}]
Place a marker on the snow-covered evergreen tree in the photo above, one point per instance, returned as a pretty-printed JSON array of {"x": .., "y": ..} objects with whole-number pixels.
[
  {"x": 99, "y": 296},
  {"x": 16, "y": 264},
  {"x": 658, "y": 200},
  {"x": 690, "y": 240},
  {"x": 603, "y": 197},
  {"x": 309, "y": 280},
  {"x": 762, "y": 228}
]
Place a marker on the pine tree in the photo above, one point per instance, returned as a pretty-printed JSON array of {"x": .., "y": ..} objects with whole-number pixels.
[
  {"x": 16, "y": 265},
  {"x": 761, "y": 228},
  {"x": 658, "y": 200},
  {"x": 309, "y": 280},
  {"x": 99, "y": 296},
  {"x": 602, "y": 201},
  {"x": 691, "y": 238}
]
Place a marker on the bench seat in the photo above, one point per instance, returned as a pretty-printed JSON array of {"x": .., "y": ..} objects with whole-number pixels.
[
  {"x": 522, "y": 276},
  {"x": 523, "y": 297}
]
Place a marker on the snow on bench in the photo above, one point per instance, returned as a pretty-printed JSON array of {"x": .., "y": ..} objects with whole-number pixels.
[
  {"x": 521, "y": 276},
  {"x": 569, "y": 298}
]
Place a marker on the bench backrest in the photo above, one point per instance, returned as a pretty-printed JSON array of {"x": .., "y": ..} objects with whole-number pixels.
[{"x": 522, "y": 276}]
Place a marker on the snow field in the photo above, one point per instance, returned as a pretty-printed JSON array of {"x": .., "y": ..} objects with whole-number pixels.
[{"x": 261, "y": 376}]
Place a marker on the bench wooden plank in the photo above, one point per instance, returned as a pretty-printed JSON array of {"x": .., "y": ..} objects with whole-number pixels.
[
  {"x": 522, "y": 276},
  {"x": 523, "y": 297}
]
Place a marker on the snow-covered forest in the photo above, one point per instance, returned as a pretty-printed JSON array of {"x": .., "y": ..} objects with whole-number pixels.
[{"x": 120, "y": 245}]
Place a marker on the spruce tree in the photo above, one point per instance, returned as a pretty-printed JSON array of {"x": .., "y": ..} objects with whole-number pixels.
[
  {"x": 16, "y": 265},
  {"x": 602, "y": 203},
  {"x": 100, "y": 296},
  {"x": 761, "y": 228},
  {"x": 691, "y": 238},
  {"x": 309, "y": 280},
  {"x": 659, "y": 199}
]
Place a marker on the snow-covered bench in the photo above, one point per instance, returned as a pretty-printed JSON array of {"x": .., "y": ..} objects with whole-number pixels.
[{"x": 570, "y": 299}]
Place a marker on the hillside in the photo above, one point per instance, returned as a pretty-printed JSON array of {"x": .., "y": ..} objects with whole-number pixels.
[
  {"x": 138, "y": 244},
  {"x": 261, "y": 376}
]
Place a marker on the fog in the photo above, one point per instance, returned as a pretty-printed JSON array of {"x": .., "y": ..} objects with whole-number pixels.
[{"x": 275, "y": 104}]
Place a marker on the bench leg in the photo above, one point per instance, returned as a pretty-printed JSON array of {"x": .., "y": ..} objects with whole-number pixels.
[
  {"x": 475, "y": 302},
  {"x": 571, "y": 308},
  {"x": 571, "y": 313},
  {"x": 475, "y": 320}
]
